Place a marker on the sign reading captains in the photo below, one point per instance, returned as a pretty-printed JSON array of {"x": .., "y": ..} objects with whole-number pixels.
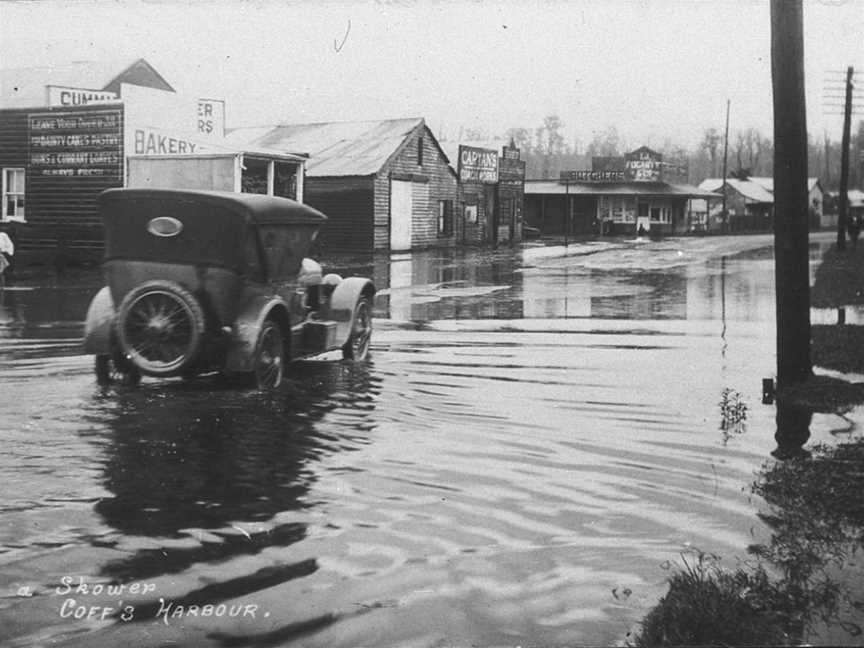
[{"x": 477, "y": 164}]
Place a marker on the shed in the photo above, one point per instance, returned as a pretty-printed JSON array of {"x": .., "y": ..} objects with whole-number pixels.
[
  {"x": 749, "y": 204},
  {"x": 384, "y": 185}
]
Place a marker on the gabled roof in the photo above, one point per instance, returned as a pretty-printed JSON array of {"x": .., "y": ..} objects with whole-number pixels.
[
  {"x": 359, "y": 148},
  {"x": 768, "y": 182},
  {"x": 748, "y": 188},
  {"x": 25, "y": 87}
]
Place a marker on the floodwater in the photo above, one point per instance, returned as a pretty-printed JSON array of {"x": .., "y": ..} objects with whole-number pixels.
[{"x": 536, "y": 438}]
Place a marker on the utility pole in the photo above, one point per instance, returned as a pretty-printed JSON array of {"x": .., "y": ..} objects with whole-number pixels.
[
  {"x": 791, "y": 237},
  {"x": 827, "y": 161},
  {"x": 725, "y": 161},
  {"x": 843, "y": 205}
]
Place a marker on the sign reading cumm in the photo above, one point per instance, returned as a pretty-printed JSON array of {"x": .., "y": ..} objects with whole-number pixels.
[
  {"x": 478, "y": 164},
  {"x": 63, "y": 96}
]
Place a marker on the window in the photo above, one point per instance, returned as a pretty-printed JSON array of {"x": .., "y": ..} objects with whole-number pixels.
[
  {"x": 617, "y": 209},
  {"x": 285, "y": 180},
  {"x": 419, "y": 151},
  {"x": 255, "y": 178},
  {"x": 13, "y": 194},
  {"x": 471, "y": 214},
  {"x": 445, "y": 217}
]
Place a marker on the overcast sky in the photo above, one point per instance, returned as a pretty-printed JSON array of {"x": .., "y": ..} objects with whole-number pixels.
[{"x": 653, "y": 69}]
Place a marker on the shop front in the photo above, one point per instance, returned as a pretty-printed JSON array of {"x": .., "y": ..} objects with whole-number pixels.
[
  {"x": 491, "y": 194},
  {"x": 58, "y": 156},
  {"x": 627, "y": 195}
]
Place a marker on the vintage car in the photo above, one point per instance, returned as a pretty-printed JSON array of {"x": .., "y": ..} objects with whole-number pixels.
[{"x": 206, "y": 281}]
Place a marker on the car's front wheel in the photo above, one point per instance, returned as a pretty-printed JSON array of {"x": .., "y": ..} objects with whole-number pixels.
[
  {"x": 269, "y": 356},
  {"x": 113, "y": 371},
  {"x": 357, "y": 345}
]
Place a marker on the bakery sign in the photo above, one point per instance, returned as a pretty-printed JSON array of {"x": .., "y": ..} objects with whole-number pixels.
[{"x": 477, "y": 164}]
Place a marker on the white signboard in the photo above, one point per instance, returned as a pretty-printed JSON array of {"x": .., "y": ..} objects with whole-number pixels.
[
  {"x": 64, "y": 96},
  {"x": 211, "y": 117}
]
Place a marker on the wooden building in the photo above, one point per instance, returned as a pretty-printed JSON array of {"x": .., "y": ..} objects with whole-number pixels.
[
  {"x": 384, "y": 185},
  {"x": 749, "y": 205},
  {"x": 68, "y": 132},
  {"x": 491, "y": 195},
  {"x": 629, "y": 195}
]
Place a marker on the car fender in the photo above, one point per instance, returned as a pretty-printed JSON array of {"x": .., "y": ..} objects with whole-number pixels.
[
  {"x": 244, "y": 333},
  {"x": 99, "y": 325},
  {"x": 342, "y": 303}
]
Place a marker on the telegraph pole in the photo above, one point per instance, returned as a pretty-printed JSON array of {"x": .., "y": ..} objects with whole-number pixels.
[
  {"x": 791, "y": 238},
  {"x": 843, "y": 205},
  {"x": 834, "y": 92},
  {"x": 725, "y": 159}
]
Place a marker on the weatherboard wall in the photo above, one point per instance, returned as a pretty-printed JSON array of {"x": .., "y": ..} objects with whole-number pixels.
[
  {"x": 432, "y": 181},
  {"x": 70, "y": 155},
  {"x": 348, "y": 204}
]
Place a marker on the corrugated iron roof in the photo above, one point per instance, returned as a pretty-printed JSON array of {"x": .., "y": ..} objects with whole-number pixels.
[
  {"x": 748, "y": 188},
  {"x": 768, "y": 182},
  {"x": 539, "y": 187},
  {"x": 334, "y": 148},
  {"x": 25, "y": 87}
]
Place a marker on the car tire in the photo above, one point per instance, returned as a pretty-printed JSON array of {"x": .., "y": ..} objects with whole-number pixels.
[
  {"x": 160, "y": 326},
  {"x": 357, "y": 346},
  {"x": 269, "y": 356},
  {"x": 112, "y": 371}
]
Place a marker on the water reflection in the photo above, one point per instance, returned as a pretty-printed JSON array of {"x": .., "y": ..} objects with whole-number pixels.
[
  {"x": 183, "y": 461},
  {"x": 606, "y": 284},
  {"x": 793, "y": 430},
  {"x": 46, "y": 311}
]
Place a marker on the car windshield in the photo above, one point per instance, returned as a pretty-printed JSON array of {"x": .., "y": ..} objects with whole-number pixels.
[{"x": 284, "y": 247}]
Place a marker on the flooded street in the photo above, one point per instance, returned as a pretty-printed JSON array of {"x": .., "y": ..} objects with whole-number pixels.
[{"x": 537, "y": 437}]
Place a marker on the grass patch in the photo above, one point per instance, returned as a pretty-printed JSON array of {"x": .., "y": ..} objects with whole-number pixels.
[
  {"x": 706, "y": 605},
  {"x": 789, "y": 591},
  {"x": 838, "y": 347},
  {"x": 839, "y": 279}
]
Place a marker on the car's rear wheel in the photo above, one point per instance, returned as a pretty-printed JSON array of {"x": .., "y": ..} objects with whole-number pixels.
[
  {"x": 269, "y": 356},
  {"x": 116, "y": 371},
  {"x": 357, "y": 345},
  {"x": 160, "y": 327}
]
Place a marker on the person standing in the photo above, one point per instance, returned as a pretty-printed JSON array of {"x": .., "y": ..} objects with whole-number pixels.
[{"x": 7, "y": 250}]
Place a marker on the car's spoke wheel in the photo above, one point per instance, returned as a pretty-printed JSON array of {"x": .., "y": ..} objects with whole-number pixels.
[
  {"x": 111, "y": 371},
  {"x": 357, "y": 346},
  {"x": 160, "y": 326},
  {"x": 269, "y": 356}
]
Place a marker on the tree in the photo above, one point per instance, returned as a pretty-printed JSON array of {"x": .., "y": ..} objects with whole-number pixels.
[{"x": 550, "y": 143}]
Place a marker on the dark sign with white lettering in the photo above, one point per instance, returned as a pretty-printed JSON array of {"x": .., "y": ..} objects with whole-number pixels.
[
  {"x": 511, "y": 172},
  {"x": 76, "y": 144},
  {"x": 592, "y": 176},
  {"x": 477, "y": 164},
  {"x": 644, "y": 165}
]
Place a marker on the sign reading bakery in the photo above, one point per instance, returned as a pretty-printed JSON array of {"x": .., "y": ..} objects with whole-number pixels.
[
  {"x": 72, "y": 144},
  {"x": 65, "y": 96}
]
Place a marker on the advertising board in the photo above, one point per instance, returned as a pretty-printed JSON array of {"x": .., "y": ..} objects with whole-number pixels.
[{"x": 477, "y": 165}]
